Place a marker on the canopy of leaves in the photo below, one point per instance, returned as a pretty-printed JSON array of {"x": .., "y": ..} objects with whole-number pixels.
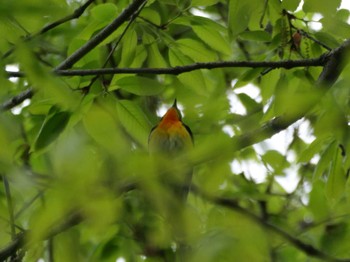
[{"x": 81, "y": 84}]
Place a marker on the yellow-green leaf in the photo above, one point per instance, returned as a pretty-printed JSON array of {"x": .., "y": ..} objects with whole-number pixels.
[
  {"x": 134, "y": 121},
  {"x": 51, "y": 129}
]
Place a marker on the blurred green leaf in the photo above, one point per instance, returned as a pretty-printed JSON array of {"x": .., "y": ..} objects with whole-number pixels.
[
  {"x": 275, "y": 159},
  {"x": 154, "y": 56},
  {"x": 151, "y": 15},
  {"x": 336, "y": 27},
  {"x": 249, "y": 103},
  {"x": 51, "y": 129},
  {"x": 321, "y": 6},
  {"x": 139, "y": 85},
  {"x": 325, "y": 160},
  {"x": 336, "y": 181},
  {"x": 195, "y": 79},
  {"x": 318, "y": 203},
  {"x": 101, "y": 125},
  {"x": 313, "y": 149},
  {"x": 129, "y": 48},
  {"x": 104, "y": 12},
  {"x": 335, "y": 238},
  {"x": 204, "y": 2},
  {"x": 134, "y": 121},
  {"x": 213, "y": 38},
  {"x": 290, "y": 5},
  {"x": 262, "y": 36},
  {"x": 196, "y": 50},
  {"x": 239, "y": 15}
]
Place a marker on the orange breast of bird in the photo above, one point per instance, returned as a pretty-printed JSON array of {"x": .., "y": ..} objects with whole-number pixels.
[{"x": 171, "y": 135}]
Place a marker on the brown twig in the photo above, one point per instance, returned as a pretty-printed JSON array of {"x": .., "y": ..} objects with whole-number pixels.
[{"x": 288, "y": 64}]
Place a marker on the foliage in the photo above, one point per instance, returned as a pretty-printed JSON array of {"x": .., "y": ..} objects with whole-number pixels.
[{"x": 79, "y": 184}]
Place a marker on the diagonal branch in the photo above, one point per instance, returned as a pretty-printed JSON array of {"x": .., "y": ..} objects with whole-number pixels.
[
  {"x": 232, "y": 204},
  {"x": 102, "y": 35},
  {"x": 16, "y": 100},
  {"x": 81, "y": 52},
  {"x": 20, "y": 241},
  {"x": 72, "y": 219},
  {"x": 76, "y": 14}
]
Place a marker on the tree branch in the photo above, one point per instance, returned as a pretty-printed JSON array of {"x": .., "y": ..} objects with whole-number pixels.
[
  {"x": 21, "y": 241},
  {"x": 102, "y": 35},
  {"x": 232, "y": 204},
  {"x": 72, "y": 219},
  {"x": 334, "y": 64},
  {"x": 16, "y": 100},
  {"x": 288, "y": 64},
  {"x": 76, "y": 14},
  {"x": 81, "y": 52}
]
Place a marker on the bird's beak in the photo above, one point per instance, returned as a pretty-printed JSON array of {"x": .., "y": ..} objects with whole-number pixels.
[{"x": 175, "y": 103}]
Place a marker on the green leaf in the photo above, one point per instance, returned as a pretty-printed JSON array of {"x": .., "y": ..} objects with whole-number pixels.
[
  {"x": 335, "y": 238},
  {"x": 336, "y": 181},
  {"x": 194, "y": 79},
  {"x": 134, "y": 121},
  {"x": 138, "y": 85},
  {"x": 204, "y": 2},
  {"x": 268, "y": 84},
  {"x": 248, "y": 76},
  {"x": 261, "y": 36},
  {"x": 336, "y": 27},
  {"x": 104, "y": 12},
  {"x": 321, "y": 6},
  {"x": 325, "y": 160},
  {"x": 213, "y": 38},
  {"x": 151, "y": 15},
  {"x": 101, "y": 15},
  {"x": 239, "y": 15},
  {"x": 51, "y": 129},
  {"x": 196, "y": 50},
  {"x": 313, "y": 149},
  {"x": 249, "y": 103},
  {"x": 129, "y": 47},
  {"x": 318, "y": 202},
  {"x": 154, "y": 57},
  {"x": 101, "y": 125},
  {"x": 275, "y": 159},
  {"x": 290, "y": 5}
]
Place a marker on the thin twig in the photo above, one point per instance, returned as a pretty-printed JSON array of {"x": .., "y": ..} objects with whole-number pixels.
[
  {"x": 76, "y": 14},
  {"x": 133, "y": 17},
  {"x": 303, "y": 33},
  {"x": 9, "y": 206},
  {"x": 27, "y": 204},
  {"x": 263, "y": 14}
]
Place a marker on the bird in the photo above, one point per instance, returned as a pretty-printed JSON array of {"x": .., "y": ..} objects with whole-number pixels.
[{"x": 172, "y": 138}]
